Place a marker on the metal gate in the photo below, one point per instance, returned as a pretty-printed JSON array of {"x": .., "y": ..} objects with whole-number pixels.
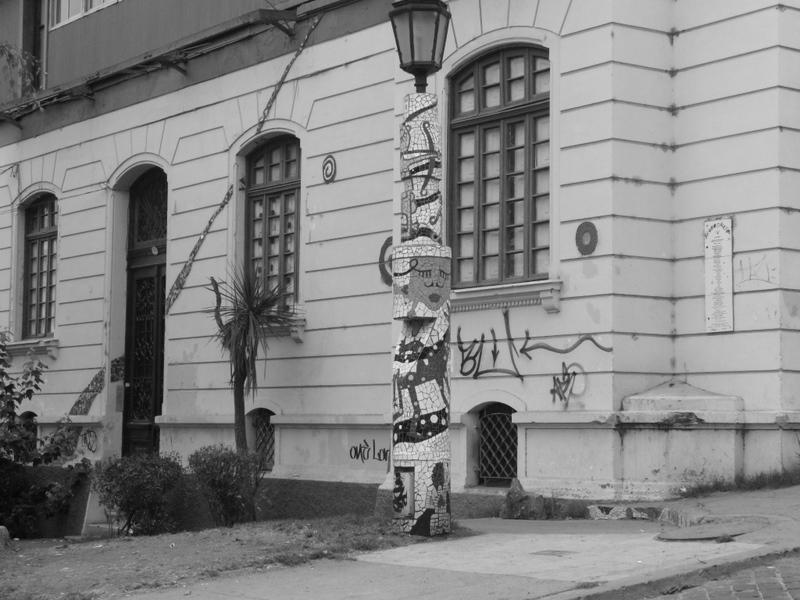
[{"x": 498, "y": 445}]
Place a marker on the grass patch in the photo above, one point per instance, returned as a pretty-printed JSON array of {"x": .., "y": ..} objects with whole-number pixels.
[
  {"x": 760, "y": 481},
  {"x": 58, "y": 569}
]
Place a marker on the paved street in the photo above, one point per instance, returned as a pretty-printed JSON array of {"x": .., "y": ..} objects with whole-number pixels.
[
  {"x": 561, "y": 560},
  {"x": 779, "y": 580}
]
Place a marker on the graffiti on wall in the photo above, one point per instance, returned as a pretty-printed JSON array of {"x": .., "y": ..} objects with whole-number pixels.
[
  {"x": 750, "y": 269},
  {"x": 564, "y": 384},
  {"x": 365, "y": 451},
  {"x": 487, "y": 355},
  {"x": 421, "y": 301}
]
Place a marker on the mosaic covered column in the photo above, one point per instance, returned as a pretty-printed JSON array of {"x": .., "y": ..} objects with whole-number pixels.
[{"x": 421, "y": 286}]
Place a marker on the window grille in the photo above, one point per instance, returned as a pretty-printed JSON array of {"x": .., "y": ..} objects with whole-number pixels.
[
  {"x": 498, "y": 446},
  {"x": 265, "y": 436}
]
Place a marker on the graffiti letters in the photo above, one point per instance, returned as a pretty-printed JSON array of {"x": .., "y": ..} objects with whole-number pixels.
[
  {"x": 563, "y": 384},
  {"x": 365, "y": 451},
  {"x": 482, "y": 356}
]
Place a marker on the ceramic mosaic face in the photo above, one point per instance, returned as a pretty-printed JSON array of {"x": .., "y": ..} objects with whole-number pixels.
[{"x": 422, "y": 281}]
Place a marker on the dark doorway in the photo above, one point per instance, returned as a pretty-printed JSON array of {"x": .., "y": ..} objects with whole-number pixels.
[
  {"x": 498, "y": 445},
  {"x": 144, "y": 332}
]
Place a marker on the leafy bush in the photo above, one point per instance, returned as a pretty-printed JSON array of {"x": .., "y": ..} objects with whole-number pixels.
[
  {"x": 26, "y": 499},
  {"x": 142, "y": 489},
  {"x": 229, "y": 480}
]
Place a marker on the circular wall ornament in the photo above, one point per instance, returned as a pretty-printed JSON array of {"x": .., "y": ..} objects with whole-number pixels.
[
  {"x": 586, "y": 238},
  {"x": 329, "y": 169}
]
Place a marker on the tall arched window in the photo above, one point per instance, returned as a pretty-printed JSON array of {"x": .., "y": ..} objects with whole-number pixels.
[
  {"x": 273, "y": 192},
  {"x": 41, "y": 233},
  {"x": 499, "y": 200}
]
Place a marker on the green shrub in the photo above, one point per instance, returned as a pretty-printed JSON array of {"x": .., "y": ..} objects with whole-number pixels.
[
  {"x": 229, "y": 480},
  {"x": 142, "y": 489},
  {"x": 27, "y": 498}
]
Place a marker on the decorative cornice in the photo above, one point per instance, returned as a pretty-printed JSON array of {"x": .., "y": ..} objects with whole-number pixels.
[{"x": 533, "y": 293}]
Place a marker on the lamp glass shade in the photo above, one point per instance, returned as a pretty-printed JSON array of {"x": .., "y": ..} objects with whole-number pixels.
[
  {"x": 401, "y": 23},
  {"x": 423, "y": 32},
  {"x": 420, "y": 31}
]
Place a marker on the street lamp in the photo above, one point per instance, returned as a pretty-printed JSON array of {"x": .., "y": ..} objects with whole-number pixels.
[
  {"x": 420, "y": 32},
  {"x": 421, "y": 268}
]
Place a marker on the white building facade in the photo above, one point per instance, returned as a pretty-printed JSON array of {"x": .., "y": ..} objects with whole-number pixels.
[{"x": 622, "y": 204}]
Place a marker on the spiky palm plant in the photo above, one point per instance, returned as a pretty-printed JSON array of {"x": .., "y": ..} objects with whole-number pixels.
[{"x": 246, "y": 312}]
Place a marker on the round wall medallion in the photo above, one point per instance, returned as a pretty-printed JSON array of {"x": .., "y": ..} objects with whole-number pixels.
[
  {"x": 329, "y": 169},
  {"x": 586, "y": 238}
]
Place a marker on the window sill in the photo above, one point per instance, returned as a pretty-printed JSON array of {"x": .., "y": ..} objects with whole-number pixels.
[
  {"x": 35, "y": 346},
  {"x": 295, "y": 330},
  {"x": 546, "y": 293}
]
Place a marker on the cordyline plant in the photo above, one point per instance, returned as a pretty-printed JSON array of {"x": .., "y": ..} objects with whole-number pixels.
[{"x": 247, "y": 311}]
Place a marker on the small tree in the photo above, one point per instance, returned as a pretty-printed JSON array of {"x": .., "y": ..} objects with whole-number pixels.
[
  {"x": 247, "y": 310},
  {"x": 24, "y": 499},
  {"x": 23, "y": 70},
  {"x": 19, "y": 443}
]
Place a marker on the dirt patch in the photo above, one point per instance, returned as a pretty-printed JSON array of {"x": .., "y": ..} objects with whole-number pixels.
[{"x": 110, "y": 568}]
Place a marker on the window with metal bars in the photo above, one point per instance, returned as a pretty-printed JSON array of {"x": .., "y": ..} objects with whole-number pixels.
[
  {"x": 41, "y": 239},
  {"x": 264, "y": 436},
  {"x": 273, "y": 192},
  {"x": 497, "y": 452},
  {"x": 499, "y": 193}
]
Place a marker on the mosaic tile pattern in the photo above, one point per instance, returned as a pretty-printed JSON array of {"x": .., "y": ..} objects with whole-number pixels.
[
  {"x": 421, "y": 279},
  {"x": 83, "y": 404},
  {"x": 421, "y": 169},
  {"x": 421, "y": 380}
]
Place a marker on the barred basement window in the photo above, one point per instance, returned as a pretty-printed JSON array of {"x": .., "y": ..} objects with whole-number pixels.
[
  {"x": 499, "y": 209},
  {"x": 498, "y": 445},
  {"x": 41, "y": 233},
  {"x": 273, "y": 192},
  {"x": 264, "y": 436}
]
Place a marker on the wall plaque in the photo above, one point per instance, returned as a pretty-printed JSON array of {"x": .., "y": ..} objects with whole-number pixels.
[{"x": 719, "y": 274}]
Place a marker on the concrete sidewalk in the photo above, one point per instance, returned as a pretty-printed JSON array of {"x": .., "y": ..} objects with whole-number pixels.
[{"x": 558, "y": 560}]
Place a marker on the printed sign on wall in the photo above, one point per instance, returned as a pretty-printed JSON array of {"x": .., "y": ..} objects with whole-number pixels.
[{"x": 719, "y": 275}]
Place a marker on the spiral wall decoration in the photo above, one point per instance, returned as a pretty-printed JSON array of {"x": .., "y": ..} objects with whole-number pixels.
[{"x": 329, "y": 169}]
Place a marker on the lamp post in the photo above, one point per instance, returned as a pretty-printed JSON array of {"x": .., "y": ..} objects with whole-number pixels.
[{"x": 421, "y": 287}]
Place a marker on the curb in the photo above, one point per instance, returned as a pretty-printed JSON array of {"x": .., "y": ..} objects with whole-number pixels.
[{"x": 676, "y": 580}]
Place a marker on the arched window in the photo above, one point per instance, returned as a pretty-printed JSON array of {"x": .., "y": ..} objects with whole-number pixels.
[
  {"x": 273, "y": 192},
  {"x": 41, "y": 233},
  {"x": 499, "y": 200}
]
